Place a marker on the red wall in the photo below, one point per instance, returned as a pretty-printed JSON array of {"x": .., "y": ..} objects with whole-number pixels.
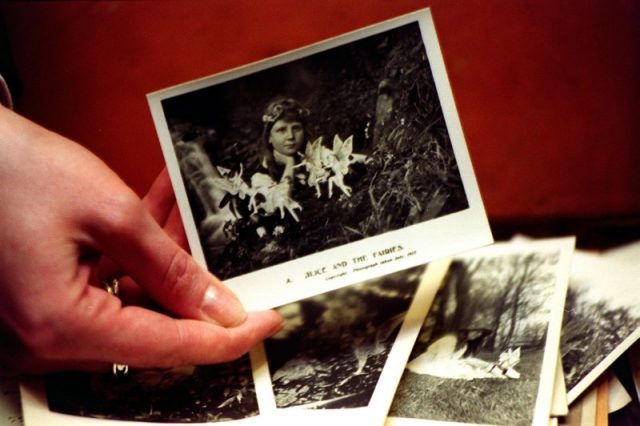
[{"x": 548, "y": 91}]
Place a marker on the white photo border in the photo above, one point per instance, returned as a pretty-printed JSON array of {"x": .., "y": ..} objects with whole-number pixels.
[{"x": 411, "y": 246}]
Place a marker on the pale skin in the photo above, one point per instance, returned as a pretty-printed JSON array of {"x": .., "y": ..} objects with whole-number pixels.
[
  {"x": 67, "y": 222},
  {"x": 287, "y": 138}
]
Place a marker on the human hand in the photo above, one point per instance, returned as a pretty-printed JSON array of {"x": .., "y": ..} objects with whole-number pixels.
[
  {"x": 160, "y": 202},
  {"x": 61, "y": 211}
]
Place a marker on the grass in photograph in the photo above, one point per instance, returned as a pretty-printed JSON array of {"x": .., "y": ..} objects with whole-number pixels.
[{"x": 487, "y": 401}]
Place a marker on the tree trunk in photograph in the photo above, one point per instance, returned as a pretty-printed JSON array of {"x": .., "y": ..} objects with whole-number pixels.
[{"x": 384, "y": 110}]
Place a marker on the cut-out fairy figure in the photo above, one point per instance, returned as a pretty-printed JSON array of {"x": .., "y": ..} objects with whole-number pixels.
[
  {"x": 338, "y": 161},
  {"x": 330, "y": 165},
  {"x": 316, "y": 171},
  {"x": 443, "y": 359}
]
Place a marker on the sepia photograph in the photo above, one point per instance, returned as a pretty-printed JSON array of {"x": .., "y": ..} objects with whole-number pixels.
[
  {"x": 333, "y": 346},
  {"x": 602, "y": 318},
  {"x": 202, "y": 394},
  {"x": 344, "y": 351},
  {"x": 317, "y": 150},
  {"x": 488, "y": 349},
  {"x": 340, "y": 350}
]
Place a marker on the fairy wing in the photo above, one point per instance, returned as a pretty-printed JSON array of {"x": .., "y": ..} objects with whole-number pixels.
[
  {"x": 342, "y": 150},
  {"x": 312, "y": 153},
  {"x": 260, "y": 181},
  {"x": 223, "y": 171},
  {"x": 223, "y": 183}
]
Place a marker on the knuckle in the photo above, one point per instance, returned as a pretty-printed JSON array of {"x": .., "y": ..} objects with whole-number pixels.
[
  {"x": 222, "y": 348},
  {"x": 180, "y": 282},
  {"x": 179, "y": 351},
  {"x": 176, "y": 355},
  {"x": 119, "y": 213}
]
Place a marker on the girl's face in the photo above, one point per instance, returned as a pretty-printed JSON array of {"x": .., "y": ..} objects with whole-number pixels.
[{"x": 286, "y": 137}]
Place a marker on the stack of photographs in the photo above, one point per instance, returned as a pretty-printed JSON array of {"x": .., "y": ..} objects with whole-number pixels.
[
  {"x": 333, "y": 184},
  {"x": 469, "y": 340}
]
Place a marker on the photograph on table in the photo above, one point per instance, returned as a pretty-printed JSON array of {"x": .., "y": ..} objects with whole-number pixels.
[
  {"x": 488, "y": 349},
  {"x": 341, "y": 354},
  {"x": 323, "y": 167},
  {"x": 355, "y": 341},
  {"x": 602, "y": 318},
  {"x": 202, "y": 394},
  {"x": 10, "y": 411}
]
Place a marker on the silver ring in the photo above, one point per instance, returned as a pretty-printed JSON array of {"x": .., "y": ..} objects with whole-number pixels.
[
  {"x": 112, "y": 286},
  {"x": 120, "y": 370}
]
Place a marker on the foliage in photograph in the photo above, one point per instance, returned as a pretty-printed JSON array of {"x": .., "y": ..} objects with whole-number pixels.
[
  {"x": 591, "y": 331},
  {"x": 377, "y": 155},
  {"x": 334, "y": 346},
  {"x": 201, "y": 394},
  {"x": 479, "y": 354}
]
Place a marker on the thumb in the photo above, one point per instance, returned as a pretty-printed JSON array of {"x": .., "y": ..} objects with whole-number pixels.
[{"x": 129, "y": 235}]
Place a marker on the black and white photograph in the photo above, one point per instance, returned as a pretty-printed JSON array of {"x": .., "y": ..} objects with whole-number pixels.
[
  {"x": 333, "y": 347},
  {"x": 10, "y": 413},
  {"x": 340, "y": 350},
  {"x": 488, "y": 349},
  {"x": 222, "y": 393},
  {"x": 602, "y": 318},
  {"x": 347, "y": 155},
  {"x": 346, "y": 349}
]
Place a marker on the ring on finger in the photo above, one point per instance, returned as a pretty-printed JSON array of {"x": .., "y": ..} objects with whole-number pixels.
[{"x": 112, "y": 286}]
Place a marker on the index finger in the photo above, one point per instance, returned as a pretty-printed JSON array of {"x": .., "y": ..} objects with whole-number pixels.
[
  {"x": 124, "y": 231},
  {"x": 161, "y": 204}
]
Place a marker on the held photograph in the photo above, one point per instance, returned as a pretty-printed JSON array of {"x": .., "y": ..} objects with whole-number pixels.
[
  {"x": 488, "y": 349},
  {"x": 304, "y": 167}
]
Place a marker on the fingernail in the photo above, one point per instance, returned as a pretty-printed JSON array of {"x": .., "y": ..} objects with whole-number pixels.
[{"x": 222, "y": 307}]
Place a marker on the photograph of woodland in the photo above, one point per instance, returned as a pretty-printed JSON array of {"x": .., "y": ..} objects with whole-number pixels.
[
  {"x": 214, "y": 393},
  {"x": 315, "y": 153},
  {"x": 600, "y": 314},
  {"x": 479, "y": 354},
  {"x": 334, "y": 346}
]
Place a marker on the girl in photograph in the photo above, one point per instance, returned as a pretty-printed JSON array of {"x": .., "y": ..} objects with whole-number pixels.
[
  {"x": 283, "y": 138},
  {"x": 273, "y": 203}
]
